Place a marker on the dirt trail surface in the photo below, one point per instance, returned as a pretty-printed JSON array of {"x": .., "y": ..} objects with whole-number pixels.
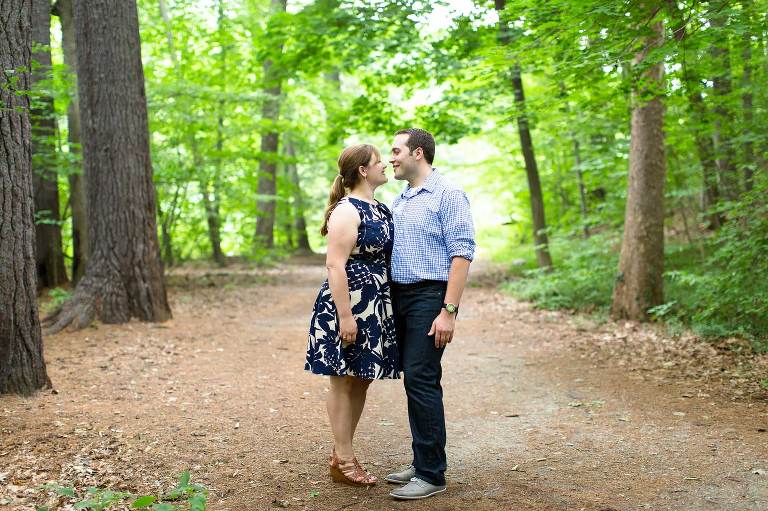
[{"x": 545, "y": 411}]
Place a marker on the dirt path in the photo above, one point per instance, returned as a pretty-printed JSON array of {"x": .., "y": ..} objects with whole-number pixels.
[{"x": 539, "y": 418}]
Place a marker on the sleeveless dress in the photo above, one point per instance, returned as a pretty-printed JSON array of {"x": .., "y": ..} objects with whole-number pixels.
[{"x": 374, "y": 354}]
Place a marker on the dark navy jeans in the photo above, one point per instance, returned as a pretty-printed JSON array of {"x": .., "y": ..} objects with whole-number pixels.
[{"x": 416, "y": 308}]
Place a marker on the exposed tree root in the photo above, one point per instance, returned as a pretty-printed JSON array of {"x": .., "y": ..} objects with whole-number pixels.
[{"x": 86, "y": 304}]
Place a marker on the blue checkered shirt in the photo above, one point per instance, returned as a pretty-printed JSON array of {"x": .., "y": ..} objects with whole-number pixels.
[{"x": 433, "y": 224}]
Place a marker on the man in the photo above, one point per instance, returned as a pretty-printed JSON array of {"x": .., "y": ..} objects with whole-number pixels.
[{"x": 433, "y": 247}]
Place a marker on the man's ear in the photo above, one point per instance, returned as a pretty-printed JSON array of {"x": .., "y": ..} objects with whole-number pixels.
[{"x": 418, "y": 153}]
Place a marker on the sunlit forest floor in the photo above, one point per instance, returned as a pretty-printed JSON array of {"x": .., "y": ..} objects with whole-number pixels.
[{"x": 545, "y": 410}]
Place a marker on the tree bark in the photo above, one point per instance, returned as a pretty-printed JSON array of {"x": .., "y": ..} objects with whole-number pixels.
[
  {"x": 540, "y": 237},
  {"x": 213, "y": 208},
  {"x": 300, "y": 223},
  {"x": 639, "y": 284},
  {"x": 22, "y": 366},
  {"x": 284, "y": 219},
  {"x": 211, "y": 204},
  {"x": 270, "y": 113},
  {"x": 77, "y": 197},
  {"x": 51, "y": 271},
  {"x": 124, "y": 277}
]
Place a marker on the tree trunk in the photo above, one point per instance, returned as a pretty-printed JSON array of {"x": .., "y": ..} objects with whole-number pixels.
[
  {"x": 63, "y": 9},
  {"x": 213, "y": 211},
  {"x": 211, "y": 203},
  {"x": 723, "y": 126},
  {"x": 639, "y": 283},
  {"x": 169, "y": 35},
  {"x": 166, "y": 252},
  {"x": 51, "y": 271},
  {"x": 705, "y": 148},
  {"x": 124, "y": 277},
  {"x": 300, "y": 223},
  {"x": 540, "y": 237},
  {"x": 22, "y": 366},
  {"x": 270, "y": 112},
  {"x": 750, "y": 163},
  {"x": 167, "y": 218},
  {"x": 285, "y": 221},
  {"x": 580, "y": 179}
]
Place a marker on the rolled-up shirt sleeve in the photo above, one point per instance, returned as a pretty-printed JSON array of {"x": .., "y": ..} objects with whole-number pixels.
[{"x": 458, "y": 229}]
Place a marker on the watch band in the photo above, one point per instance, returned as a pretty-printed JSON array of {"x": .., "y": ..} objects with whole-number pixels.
[{"x": 449, "y": 306}]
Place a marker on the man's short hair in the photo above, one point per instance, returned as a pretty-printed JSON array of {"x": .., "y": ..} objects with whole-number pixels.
[{"x": 420, "y": 138}]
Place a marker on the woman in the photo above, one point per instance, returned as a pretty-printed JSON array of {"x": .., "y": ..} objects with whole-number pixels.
[{"x": 352, "y": 333}]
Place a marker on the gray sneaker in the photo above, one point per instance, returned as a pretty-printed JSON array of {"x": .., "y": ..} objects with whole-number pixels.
[
  {"x": 402, "y": 477},
  {"x": 417, "y": 489}
]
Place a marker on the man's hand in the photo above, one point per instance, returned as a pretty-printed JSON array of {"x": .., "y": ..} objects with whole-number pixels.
[{"x": 442, "y": 328}]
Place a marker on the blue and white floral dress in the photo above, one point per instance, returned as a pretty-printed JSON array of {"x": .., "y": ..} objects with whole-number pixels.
[{"x": 374, "y": 354}]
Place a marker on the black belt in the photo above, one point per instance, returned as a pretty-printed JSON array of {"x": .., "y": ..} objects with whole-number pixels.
[{"x": 420, "y": 284}]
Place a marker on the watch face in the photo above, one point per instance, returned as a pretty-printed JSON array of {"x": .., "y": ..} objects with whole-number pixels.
[{"x": 450, "y": 307}]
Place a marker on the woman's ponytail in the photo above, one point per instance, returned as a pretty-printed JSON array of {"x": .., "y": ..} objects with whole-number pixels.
[{"x": 337, "y": 193}]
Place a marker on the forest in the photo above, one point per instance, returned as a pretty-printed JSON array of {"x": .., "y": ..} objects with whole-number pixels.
[{"x": 615, "y": 154}]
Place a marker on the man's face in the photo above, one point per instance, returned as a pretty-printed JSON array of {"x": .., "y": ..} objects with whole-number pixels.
[{"x": 404, "y": 163}]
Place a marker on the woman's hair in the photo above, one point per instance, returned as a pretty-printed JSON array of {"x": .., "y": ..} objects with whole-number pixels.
[{"x": 351, "y": 159}]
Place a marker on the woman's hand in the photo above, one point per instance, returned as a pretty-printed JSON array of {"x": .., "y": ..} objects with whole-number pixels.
[{"x": 347, "y": 329}]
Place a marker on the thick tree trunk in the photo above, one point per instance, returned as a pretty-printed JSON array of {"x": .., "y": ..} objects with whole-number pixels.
[
  {"x": 51, "y": 271},
  {"x": 300, "y": 223},
  {"x": 270, "y": 113},
  {"x": 22, "y": 367},
  {"x": 639, "y": 283},
  {"x": 64, "y": 10},
  {"x": 124, "y": 277},
  {"x": 540, "y": 237},
  {"x": 267, "y": 189}
]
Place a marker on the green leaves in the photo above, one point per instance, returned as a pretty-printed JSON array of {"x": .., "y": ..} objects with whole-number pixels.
[
  {"x": 189, "y": 496},
  {"x": 143, "y": 502}
]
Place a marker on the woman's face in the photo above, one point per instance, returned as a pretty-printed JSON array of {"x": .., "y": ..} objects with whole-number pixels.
[{"x": 375, "y": 174}]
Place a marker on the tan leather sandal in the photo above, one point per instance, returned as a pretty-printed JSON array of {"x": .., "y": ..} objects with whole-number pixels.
[{"x": 350, "y": 472}]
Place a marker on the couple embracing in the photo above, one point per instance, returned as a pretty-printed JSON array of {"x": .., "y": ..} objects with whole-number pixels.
[{"x": 394, "y": 284}]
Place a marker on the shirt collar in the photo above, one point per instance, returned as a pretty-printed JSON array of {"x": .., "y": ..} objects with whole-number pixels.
[{"x": 429, "y": 184}]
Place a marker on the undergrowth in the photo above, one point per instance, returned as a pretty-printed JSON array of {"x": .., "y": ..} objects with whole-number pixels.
[
  {"x": 717, "y": 288},
  {"x": 185, "y": 496}
]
